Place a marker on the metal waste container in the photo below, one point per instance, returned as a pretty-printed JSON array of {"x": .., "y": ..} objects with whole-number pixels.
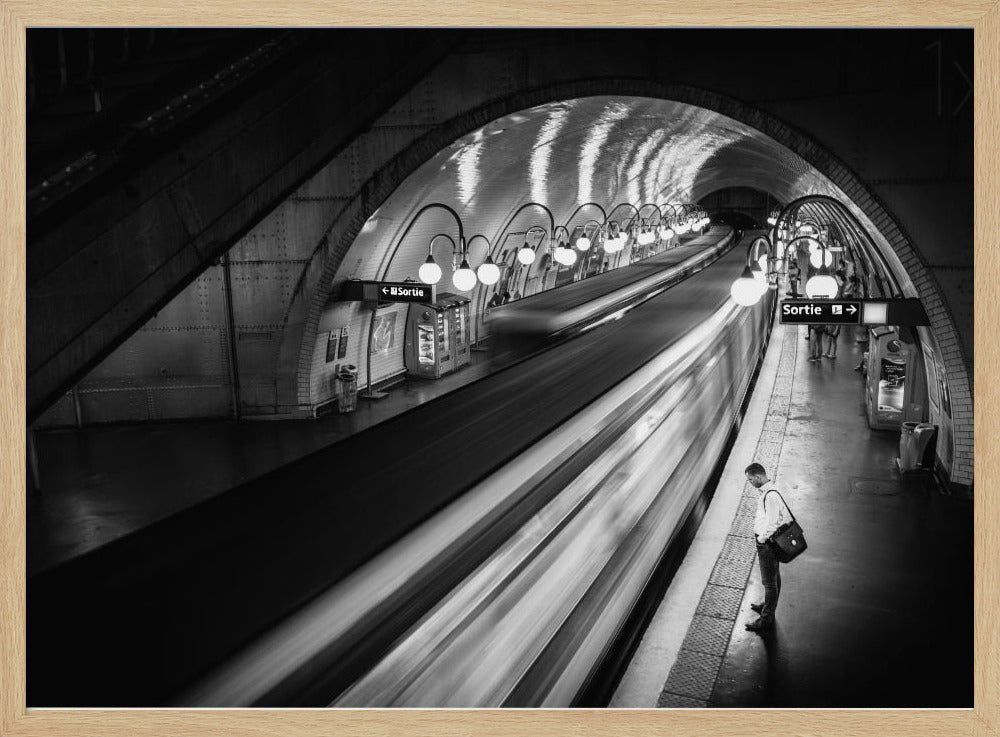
[
  {"x": 347, "y": 388},
  {"x": 914, "y": 437}
]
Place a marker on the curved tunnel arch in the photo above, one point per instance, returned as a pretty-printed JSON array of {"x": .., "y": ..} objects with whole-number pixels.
[{"x": 296, "y": 347}]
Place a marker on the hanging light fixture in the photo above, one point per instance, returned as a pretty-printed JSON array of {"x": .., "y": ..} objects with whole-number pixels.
[
  {"x": 526, "y": 254},
  {"x": 746, "y": 289},
  {"x": 821, "y": 258},
  {"x": 583, "y": 242},
  {"x": 821, "y": 285},
  {"x": 430, "y": 272},
  {"x": 464, "y": 277},
  {"x": 488, "y": 272},
  {"x": 565, "y": 255},
  {"x": 753, "y": 281}
]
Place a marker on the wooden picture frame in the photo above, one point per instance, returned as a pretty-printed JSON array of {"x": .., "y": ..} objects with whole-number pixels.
[{"x": 981, "y": 721}]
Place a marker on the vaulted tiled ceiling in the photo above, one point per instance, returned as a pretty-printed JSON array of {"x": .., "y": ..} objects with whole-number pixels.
[{"x": 605, "y": 149}]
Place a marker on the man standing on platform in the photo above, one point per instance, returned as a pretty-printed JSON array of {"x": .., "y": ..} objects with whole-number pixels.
[{"x": 771, "y": 514}]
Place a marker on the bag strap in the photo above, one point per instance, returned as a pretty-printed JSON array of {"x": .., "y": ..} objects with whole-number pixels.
[{"x": 782, "y": 501}]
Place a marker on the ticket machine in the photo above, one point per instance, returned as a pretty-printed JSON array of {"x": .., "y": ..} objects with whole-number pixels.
[
  {"x": 438, "y": 336},
  {"x": 896, "y": 388}
]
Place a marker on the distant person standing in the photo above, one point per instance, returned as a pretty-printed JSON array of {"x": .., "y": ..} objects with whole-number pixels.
[
  {"x": 816, "y": 342},
  {"x": 771, "y": 514},
  {"x": 830, "y": 335},
  {"x": 794, "y": 274}
]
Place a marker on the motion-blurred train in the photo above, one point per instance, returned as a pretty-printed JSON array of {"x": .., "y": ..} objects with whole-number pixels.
[
  {"x": 576, "y": 536},
  {"x": 519, "y": 328}
]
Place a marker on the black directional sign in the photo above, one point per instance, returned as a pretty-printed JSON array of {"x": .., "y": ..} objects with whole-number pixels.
[
  {"x": 378, "y": 292},
  {"x": 820, "y": 311},
  {"x": 405, "y": 292}
]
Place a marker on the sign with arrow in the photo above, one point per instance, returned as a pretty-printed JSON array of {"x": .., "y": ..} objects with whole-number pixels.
[
  {"x": 384, "y": 292},
  {"x": 405, "y": 292},
  {"x": 820, "y": 311}
]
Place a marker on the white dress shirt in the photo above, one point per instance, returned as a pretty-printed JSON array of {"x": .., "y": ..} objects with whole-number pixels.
[{"x": 769, "y": 516}]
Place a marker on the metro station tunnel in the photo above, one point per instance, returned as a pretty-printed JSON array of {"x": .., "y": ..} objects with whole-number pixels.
[{"x": 399, "y": 368}]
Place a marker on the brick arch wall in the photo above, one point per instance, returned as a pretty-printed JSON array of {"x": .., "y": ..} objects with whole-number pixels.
[{"x": 297, "y": 343}]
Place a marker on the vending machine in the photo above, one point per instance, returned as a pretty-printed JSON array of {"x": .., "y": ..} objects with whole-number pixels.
[
  {"x": 438, "y": 336},
  {"x": 896, "y": 388}
]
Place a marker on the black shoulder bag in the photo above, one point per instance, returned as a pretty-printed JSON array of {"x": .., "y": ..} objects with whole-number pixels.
[{"x": 788, "y": 540}]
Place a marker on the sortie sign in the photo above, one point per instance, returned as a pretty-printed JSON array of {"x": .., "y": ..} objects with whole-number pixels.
[
  {"x": 405, "y": 292},
  {"x": 822, "y": 312}
]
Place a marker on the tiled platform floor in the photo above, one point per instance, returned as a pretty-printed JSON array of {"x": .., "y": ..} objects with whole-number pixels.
[{"x": 877, "y": 613}]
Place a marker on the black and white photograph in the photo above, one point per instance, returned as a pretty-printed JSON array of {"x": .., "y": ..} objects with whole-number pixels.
[{"x": 494, "y": 367}]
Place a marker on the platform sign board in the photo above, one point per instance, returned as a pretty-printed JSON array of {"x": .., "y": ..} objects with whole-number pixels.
[
  {"x": 383, "y": 292},
  {"x": 820, "y": 312},
  {"x": 405, "y": 292}
]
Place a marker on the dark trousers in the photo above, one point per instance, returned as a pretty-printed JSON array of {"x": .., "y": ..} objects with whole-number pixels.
[{"x": 770, "y": 576}]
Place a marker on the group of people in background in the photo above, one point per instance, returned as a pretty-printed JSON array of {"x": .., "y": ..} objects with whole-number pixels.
[{"x": 823, "y": 338}]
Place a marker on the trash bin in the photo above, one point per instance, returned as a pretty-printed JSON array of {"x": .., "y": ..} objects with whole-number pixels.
[
  {"x": 923, "y": 438},
  {"x": 914, "y": 438},
  {"x": 347, "y": 388},
  {"x": 907, "y": 449}
]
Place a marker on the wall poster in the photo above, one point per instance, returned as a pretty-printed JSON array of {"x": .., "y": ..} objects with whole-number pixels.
[
  {"x": 331, "y": 345},
  {"x": 383, "y": 334}
]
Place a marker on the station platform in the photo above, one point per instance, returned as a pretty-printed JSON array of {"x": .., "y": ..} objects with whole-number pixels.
[
  {"x": 877, "y": 613},
  {"x": 101, "y": 482}
]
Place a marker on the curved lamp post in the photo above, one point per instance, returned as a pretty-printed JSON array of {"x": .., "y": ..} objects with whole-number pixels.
[
  {"x": 666, "y": 231},
  {"x": 526, "y": 254},
  {"x": 429, "y": 268},
  {"x": 835, "y": 211},
  {"x": 563, "y": 254},
  {"x": 430, "y": 272},
  {"x": 584, "y": 242},
  {"x": 617, "y": 245}
]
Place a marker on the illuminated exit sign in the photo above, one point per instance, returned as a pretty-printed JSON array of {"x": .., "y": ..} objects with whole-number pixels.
[
  {"x": 820, "y": 311},
  {"x": 898, "y": 311}
]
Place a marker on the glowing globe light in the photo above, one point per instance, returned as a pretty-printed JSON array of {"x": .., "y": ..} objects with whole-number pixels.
[
  {"x": 582, "y": 243},
  {"x": 746, "y": 290},
  {"x": 820, "y": 258},
  {"x": 821, "y": 286},
  {"x": 465, "y": 278},
  {"x": 429, "y": 272},
  {"x": 565, "y": 255},
  {"x": 526, "y": 255},
  {"x": 772, "y": 220},
  {"x": 666, "y": 233},
  {"x": 646, "y": 237},
  {"x": 488, "y": 272}
]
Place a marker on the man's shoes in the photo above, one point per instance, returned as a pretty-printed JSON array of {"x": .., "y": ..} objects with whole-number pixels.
[
  {"x": 757, "y": 607},
  {"x": 761, "y": 625}
]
